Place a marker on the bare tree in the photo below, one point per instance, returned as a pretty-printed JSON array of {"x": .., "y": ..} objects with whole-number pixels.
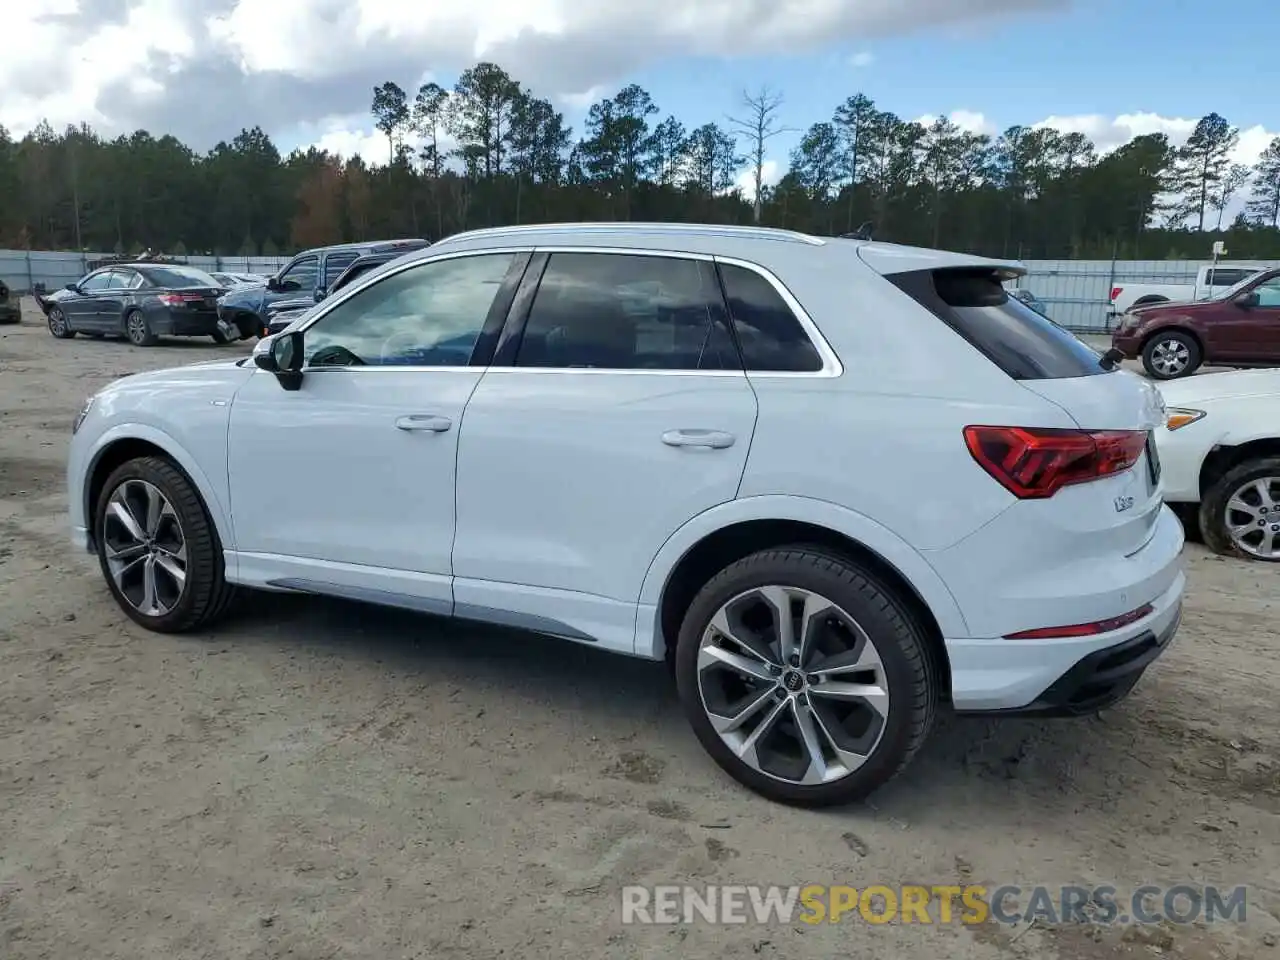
[{"x": 759, "y": 126}]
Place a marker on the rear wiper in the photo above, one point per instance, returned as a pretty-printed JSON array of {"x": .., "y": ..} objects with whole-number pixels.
[{"x": 1111, "y": 359}]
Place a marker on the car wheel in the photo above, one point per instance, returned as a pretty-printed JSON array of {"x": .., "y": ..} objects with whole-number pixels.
[
  {"x": 805, "y": 679},
  {"x": 1167, "y": 356},
  {"x": 58, "y": 324},
  {"x": 220, "y": 338},
  {"x": 158, "y": 549},
  {"x": 138, "y": 330},
  {"x": 1240, "y": 512}
]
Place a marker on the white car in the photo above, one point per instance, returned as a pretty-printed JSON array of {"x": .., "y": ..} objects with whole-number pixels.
[
  {"x": 1221, "y": 453},
  {"x": 834, "y": 483}
]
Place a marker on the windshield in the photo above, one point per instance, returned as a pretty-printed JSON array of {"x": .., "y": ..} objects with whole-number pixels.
[{"x": 177, "y": 277}]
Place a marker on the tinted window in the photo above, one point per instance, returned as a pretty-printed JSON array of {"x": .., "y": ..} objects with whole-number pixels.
[
  {"x": 354, "y": 274},
  {"x": 335, "y": 263},
  {"x": 116, "y": 280},
  {"x": 1225, "y": 277},
  {"x": 97, "y": 281},
  {"x": 623, "y": 312},
  {"x": 770, "y": 335},
  {"x": 178, "y": 277},
  {"x": 304, "y": 272},
  {"x": 1021, "y": 342},
  {"x": 428, "y": 316}
]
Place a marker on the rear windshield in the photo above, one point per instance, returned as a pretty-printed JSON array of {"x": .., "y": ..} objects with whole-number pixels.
[
  {"x": 1022, "y": 343},
  {"x": 178, "y": 277}
]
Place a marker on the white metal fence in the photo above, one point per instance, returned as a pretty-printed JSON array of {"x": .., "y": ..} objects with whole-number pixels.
[{"x": 1076, "y": 292}]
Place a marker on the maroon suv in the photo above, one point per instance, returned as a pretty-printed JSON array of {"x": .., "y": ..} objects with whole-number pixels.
[{"x": 1238, "y": 328}]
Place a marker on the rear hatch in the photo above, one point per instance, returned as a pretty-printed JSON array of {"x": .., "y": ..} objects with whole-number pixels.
[{"x": 1096, "y": 491}]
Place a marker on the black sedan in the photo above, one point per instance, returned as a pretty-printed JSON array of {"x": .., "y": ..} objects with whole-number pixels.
[{"x": 141, "y": 302}]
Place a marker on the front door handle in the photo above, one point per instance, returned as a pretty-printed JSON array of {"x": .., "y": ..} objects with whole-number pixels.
[
  {"x": 424, "y": 421},
  {"x": 714, "y": 439}
]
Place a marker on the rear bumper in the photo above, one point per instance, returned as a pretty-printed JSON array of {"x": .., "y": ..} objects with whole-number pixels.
[
  {"x": 1102, "y": 678},
  {"x": 185, "y": 323}
]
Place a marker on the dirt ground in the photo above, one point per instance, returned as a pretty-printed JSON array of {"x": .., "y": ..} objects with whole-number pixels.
[{"x": 318, "y": 779}]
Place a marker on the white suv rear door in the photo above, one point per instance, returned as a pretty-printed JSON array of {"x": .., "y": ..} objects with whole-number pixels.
[{"x": 616, "y": 409}]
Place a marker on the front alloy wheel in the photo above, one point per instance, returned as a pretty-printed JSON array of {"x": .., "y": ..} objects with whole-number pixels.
[
  {"x": 806, "y": 678},
  {"x": 145, "y": 549},
  {"x": 58, "y": 324}
]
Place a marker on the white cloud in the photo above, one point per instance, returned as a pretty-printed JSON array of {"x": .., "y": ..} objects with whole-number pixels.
[
  {"x": 967, "y": 120},
  {"x": 771, "y": 172},
  {"x": 863, "y": 59},
  {"x": 201, "y": 69}
]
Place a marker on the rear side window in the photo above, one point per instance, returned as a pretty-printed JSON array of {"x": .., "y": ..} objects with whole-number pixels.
[
  {"x": 770, "y": 335},
  {"x": 1223, "y": 277},
  {"x": 627, "y": 312},
  {"x": 335, "y": 263},
  {"x": 1021, "y": 342}
]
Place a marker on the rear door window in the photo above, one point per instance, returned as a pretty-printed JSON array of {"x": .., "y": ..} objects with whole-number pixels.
[
  {"x": 627, "y": 312},
  {"x": 974, "y": 303},
  {"x": 335, "y": 263}
]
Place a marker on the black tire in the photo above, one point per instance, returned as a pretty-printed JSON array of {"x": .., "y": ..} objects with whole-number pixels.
[
  {"x": 909, "y": 670},
  {"x": 137, "y": 331},
  {"x": 58, "y": 325},
  {"x": 1213, "y": 508},
  {"x": 206, "y": 595},
  {"x": 220, "y": 338},
  {"x": 1162, "y": 340}
]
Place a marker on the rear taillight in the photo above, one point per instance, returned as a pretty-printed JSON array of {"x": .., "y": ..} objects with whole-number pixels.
[
  {"x": 1036, "y": 462},
  {"x": 1083, "y": 629},
  {"x": 1115, "y": 292},
  {"x": 178, "y": 299}
]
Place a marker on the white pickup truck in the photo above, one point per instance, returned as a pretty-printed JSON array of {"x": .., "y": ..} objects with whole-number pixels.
[{"x": 1210, "y": 281}]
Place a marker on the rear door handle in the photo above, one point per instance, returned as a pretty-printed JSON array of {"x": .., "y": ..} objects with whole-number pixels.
[
  {"x": 424, "y": 421},
  {"x": 715, "y": 439}
]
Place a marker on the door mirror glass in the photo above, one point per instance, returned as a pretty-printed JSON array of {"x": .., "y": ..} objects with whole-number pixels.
[{"x": 282, "y": 356}]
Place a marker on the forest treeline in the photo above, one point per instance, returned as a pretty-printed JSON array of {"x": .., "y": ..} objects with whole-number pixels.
[{"x": 488, "y": 152}]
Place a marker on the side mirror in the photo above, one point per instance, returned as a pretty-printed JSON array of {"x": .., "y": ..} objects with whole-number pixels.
[
  {"x": 73, "y": 287},
  {"x": 282, "y": 356},
  {"x": 273, "y": 283},
  {"x": 320, "y": 294},
  {"x": 1247, "y": 301}
]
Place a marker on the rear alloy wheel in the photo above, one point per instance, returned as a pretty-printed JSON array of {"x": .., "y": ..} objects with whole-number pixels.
[
  {"x": 58, "y": 324},
  {"x": 138, "y": 330},
  {"x": 158, "y": 549},
  {"x": 1167, "y": 356},
  {"x": 804, "y": 678},
  {"x": 1240, "y": 513}
]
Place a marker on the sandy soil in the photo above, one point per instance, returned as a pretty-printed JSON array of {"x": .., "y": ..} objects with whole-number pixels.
[{"x": 320, "y": 779}]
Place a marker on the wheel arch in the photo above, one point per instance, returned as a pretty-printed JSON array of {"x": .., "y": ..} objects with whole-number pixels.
[
  {"x": 125, "y": 443},
  {"x": 726, "y": 533},
  {"x": 1231, "y": 453}
]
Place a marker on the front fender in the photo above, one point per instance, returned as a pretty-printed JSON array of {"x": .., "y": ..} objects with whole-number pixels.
[
  {"x": 895, "y": 551},
  {"x": 211, "y": 493}
]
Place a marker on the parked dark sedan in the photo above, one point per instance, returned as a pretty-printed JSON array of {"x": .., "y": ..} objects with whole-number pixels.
[{"x": 141, "y": 302}]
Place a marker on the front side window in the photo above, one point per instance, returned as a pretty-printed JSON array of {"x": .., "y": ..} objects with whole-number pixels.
[
  {"x": 304, "y": 271},
  {"x": 95, "y": 282},
  {"x": 769, "y": 333},
  {"x": 626, "y": 312},
  {"x": 429, "y": 315},
  {"x": 1268, "y": 292}
]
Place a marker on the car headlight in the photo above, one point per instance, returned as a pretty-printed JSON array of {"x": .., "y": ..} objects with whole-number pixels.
[
  {"x": 1178, "y": 417},
  {"x": 84, "y": 412}
]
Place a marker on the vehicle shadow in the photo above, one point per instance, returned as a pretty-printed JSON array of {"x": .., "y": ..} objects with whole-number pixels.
[{"x": 1035, "y": 766}]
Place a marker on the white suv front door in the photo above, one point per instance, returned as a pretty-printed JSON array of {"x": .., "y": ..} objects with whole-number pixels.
[
  {"x": 346, "y": 485},
  {"x": 623, "y": 413}
]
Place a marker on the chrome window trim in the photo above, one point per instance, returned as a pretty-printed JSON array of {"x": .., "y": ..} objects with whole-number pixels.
[{"x": 831, "y": 365}]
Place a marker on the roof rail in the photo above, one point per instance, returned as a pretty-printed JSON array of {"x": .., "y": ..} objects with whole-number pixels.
[{"x": 627, "y": 226}]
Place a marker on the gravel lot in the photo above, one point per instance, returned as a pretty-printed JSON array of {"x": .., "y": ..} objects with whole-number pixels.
[{"x": 318, "y": 779}]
